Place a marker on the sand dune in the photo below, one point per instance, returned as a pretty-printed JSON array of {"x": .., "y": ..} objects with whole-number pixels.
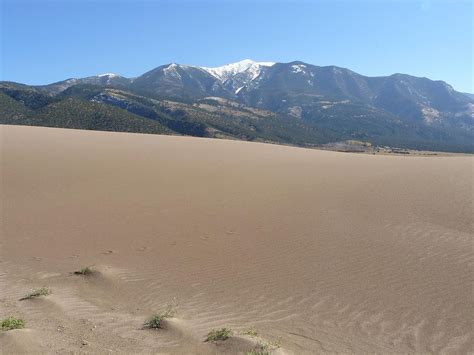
[{"x": 323, "y": 251}]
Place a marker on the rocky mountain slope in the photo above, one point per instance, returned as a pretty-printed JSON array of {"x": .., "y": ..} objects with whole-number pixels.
[{"x": 294, "y": 103}]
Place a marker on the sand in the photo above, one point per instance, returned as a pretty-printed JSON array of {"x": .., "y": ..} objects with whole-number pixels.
[{"x": 322, "y": 251}]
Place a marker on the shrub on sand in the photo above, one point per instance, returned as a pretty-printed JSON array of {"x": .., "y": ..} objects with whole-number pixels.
[
  {"x": 156, "y": 320},
  {"x": 264, "y": 347},
  {"x": 218, "y": 334},
  {"x": 250, "y": 332},
  {"x": 11, "y": 323},
  {"x": 85, "y": 271},
  {"x": 37, "y": 292}
]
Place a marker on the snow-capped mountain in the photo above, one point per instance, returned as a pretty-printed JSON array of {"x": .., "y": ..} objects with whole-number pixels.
[
  {"x": 173, "y": 80},
  {"x": 345, "y": 103},
  {"x": 235, "y": 76},
  {"x": 170, "y": 79},
  {"x": 227, "y": 71},
  {"x": 194, "y": 81}
]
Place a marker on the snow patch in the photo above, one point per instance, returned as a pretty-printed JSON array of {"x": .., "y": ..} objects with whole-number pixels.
[
  {"x": 228, "y": 71},
  {"x": 110, "y": 75},
  {"x": 298, "y": 68},
  {"x": 237, "y": 91},
  {"x": 171, "y": 71}
]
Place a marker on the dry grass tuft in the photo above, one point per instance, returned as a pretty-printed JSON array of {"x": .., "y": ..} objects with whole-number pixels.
[
  {"x": 218, "y": 334},
  {"x": 37, "y": 292}
]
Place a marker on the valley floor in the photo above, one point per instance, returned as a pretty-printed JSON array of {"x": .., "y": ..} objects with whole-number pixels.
[{"x": 320, "y": 251}]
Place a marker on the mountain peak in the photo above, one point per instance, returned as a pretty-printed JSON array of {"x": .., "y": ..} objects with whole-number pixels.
[
  {"x": 110, "y": 75},
  {"x": 227, "y": 71}
]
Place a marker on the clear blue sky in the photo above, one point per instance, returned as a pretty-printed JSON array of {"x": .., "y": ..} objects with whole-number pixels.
[{"x": 47, "y": 41}]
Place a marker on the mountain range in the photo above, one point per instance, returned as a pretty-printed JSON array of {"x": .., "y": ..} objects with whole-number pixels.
[{"x": 290, "y": 103}]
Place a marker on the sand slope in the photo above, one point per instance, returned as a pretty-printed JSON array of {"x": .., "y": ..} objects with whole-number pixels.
[{"x": 325, "y": 251}]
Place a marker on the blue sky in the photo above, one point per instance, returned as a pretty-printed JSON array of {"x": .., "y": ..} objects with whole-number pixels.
[{"x": 47, "y": 41}]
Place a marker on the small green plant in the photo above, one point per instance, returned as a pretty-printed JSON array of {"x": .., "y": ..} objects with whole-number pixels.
[
  {"x": 218, "y": 334},
  {"x": 258, "y": 351},
  {"x": 264, "y": 347},
  {"x": 85, "y": 271},
  {"x": 12, "y": 323},
  {"x": 156, "y": 320},
  {"x": 250, "y": 332},
  {"x": 37, "y": 292}
]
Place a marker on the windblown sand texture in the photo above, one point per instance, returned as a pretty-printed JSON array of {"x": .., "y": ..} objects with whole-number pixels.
[{"x": 324, "y": 251}]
